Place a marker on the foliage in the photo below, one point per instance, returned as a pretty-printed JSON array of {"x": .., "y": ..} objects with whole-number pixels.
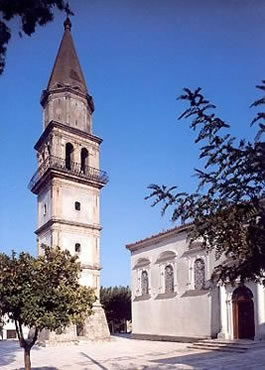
[
  {"x": 42, "y": 293},
  {"x": 117, "y": 303},
  {"x": 226, "y": 210},
  {"x": 30, "y": 13}
]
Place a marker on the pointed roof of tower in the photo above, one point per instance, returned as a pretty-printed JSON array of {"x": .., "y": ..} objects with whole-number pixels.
[{"x": 67, "y": 70}]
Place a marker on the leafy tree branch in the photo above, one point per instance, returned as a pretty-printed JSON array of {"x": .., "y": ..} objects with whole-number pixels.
[
  {"x": 31, "y": 13},
  {"x": 226, "y": 211}
]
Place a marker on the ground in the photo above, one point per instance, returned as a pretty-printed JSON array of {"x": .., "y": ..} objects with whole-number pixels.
[{"x": 125, "y": 353}]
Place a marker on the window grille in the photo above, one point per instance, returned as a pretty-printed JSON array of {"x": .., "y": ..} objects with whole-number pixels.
[
  {"x": 169, "y": 279},
  {"x": 199, "y": 274}
]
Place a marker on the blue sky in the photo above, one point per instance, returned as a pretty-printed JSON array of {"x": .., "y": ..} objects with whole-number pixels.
[{"x": 136, "y": 56}]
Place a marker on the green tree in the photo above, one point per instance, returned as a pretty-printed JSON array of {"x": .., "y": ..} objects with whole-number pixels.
[
  {"x": 117, "y": 303},
  {"x": 30, "y": 13},
  {"x": 42, "y": 293},
  {"x": 226, "y": 211}
]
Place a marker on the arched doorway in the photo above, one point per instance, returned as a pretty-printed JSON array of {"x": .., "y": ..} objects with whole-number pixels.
[{"x": 243, "y": 313}]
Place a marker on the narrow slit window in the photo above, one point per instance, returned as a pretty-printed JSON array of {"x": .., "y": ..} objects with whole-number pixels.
[
  {"x": 78, "y": 206},
  {"x": 144, "y": 283},
  {"x": 77, "y": 248},
  {"x": 169, "y": 279}
]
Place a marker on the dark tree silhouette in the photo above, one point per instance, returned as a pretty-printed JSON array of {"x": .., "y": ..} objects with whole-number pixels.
[
  {"x": 117, "y": 303},
  {"x": 30, "y": 13},
  {"x": 226, "y": 211}
]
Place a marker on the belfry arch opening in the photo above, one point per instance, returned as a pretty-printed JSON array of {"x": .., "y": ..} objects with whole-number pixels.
[
  {"x": 84, "y": 160},
  {"x": 69, "y": 149},
  {"x": 243, "y": 313}
]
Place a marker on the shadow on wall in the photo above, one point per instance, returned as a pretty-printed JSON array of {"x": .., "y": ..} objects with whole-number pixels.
[
  {"x": 215, "y": 312},
  {"x": 261, "y": 332}
]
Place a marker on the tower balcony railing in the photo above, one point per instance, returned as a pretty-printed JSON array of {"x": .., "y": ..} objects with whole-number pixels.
[{"x": 73, "y": 168}]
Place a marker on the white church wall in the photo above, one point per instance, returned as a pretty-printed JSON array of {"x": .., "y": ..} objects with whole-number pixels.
[
  {"x": 180, "y": 317},
  {"x": 184, "y": 312}
]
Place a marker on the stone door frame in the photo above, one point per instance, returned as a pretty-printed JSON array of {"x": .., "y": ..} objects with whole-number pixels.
[{"x": 242, "y": 303}]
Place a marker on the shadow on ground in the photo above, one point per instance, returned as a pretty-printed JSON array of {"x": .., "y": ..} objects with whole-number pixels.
[
  {"x": 40, "y": 368},
  {"x": 206, "y": 360},
  {"x": 8, "y": 351},
  {"x": 94, "y": 361}
]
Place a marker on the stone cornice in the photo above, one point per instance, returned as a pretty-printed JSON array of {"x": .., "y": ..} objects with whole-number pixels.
[
  {"x": 166, "y": 295},
  {"x": 60, "y": 221},
  {"x": 91, "y": 267},
  {"x": 65, "y": 127},
  {"x": 142, "y": 298}
]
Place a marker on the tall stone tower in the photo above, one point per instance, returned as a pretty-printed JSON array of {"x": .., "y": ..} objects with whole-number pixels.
[{"x": 68, "y": 179}]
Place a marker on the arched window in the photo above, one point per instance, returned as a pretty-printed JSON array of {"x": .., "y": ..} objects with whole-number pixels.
[
  {"x": 144, "y": 283},
  {"x": 84, "y": 160},
  {"x": 68, "y": 155},
  {"x": 169, "y": 279},
  {"x": 199, "y": 274}
]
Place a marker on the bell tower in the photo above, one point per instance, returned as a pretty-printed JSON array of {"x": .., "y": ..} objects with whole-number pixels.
[{"x": 68, "y": 179}]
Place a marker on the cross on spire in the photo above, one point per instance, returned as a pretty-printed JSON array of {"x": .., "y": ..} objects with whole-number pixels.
[{"x": 67, "y": 24}]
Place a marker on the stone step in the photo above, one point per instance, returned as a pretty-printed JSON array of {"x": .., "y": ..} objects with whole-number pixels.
[
  {"x": 236, "y": 342},
  {"x": 227, "y": 345},
  {"x": 217, "y": 348}
]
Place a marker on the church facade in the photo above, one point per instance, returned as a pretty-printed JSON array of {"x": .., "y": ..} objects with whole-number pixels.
[
  {"x": 174, "y": 297},
  {"x": 68, "y": 179}
]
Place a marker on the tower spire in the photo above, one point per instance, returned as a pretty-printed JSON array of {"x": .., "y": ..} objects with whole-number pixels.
[
  {"x": 67, "y": 88},
  {"x": 67, "y": 72}
]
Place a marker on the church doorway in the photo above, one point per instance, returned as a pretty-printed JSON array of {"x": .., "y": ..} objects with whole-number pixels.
[{"x": 243, "y": 313}]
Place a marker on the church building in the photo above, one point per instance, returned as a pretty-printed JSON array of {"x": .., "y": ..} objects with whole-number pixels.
[
  {"x": 68, "y": 179},
  {"x": 174, "y": 297}
]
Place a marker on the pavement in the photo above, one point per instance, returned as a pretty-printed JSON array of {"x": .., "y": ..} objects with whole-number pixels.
[{"x": 125, "y": 353}]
